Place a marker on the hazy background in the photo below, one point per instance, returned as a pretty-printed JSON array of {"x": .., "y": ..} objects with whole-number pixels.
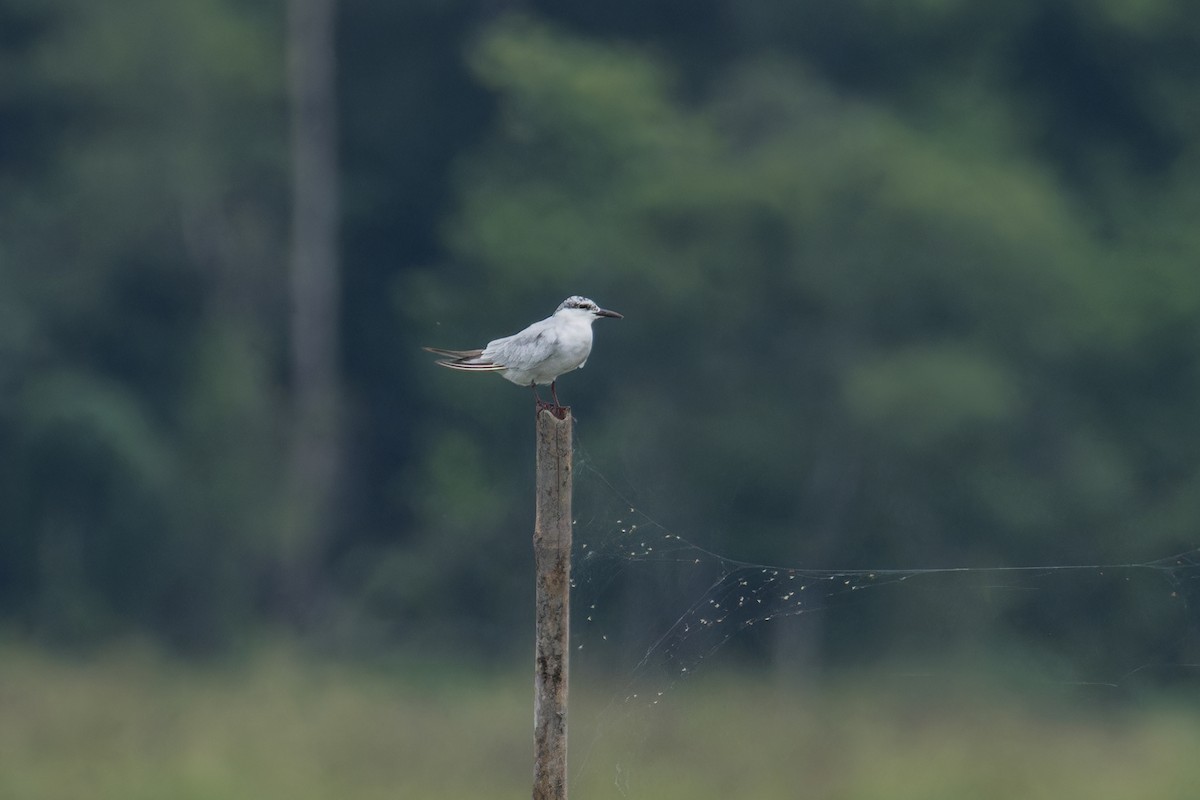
[{"x": 905, "y": 285}]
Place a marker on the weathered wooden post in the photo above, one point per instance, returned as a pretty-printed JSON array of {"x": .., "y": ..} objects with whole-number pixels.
[{"x": 552, "y": 564}]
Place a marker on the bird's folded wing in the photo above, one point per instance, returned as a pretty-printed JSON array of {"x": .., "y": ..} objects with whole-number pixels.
[{"x": 523, "y": 350}]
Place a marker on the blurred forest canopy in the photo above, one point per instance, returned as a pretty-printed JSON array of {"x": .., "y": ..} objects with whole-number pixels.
[{"x": 948, "y": 250}]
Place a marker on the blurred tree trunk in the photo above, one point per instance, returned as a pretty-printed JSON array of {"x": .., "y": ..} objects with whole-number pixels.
[{"x": 315, "y": 298}]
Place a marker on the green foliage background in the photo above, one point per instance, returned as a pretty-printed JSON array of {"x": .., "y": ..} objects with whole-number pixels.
[{"x": 904, "y": 284}]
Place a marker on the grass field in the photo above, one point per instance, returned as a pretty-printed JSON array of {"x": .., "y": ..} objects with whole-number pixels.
[{"x": 133, "y": 726}]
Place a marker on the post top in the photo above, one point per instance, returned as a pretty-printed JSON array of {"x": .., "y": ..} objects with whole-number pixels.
[{"x": 560, "y": 413}]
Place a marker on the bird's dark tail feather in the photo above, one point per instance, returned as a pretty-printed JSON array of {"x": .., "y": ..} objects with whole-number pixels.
[
  {"x": 455, "y": 354},
  {"x": 464, "y": 359}
]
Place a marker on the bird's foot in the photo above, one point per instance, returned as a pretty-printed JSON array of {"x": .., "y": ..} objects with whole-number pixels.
[{"x": 554, "y": 408}]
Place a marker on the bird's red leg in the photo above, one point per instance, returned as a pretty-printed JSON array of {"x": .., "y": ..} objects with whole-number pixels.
[
  {"x": 539, "y": 403},
  {"x": 554, "y": 408},
  {"x": 557, "y": 409}
]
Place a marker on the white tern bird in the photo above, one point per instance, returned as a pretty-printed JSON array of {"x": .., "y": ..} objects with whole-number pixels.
[{"x": 541, "y": 352}]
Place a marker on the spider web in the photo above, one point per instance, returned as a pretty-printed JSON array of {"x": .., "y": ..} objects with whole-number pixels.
[
  {"x": 655, "y": 608},
  {"x": 729, "y": 596}
]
